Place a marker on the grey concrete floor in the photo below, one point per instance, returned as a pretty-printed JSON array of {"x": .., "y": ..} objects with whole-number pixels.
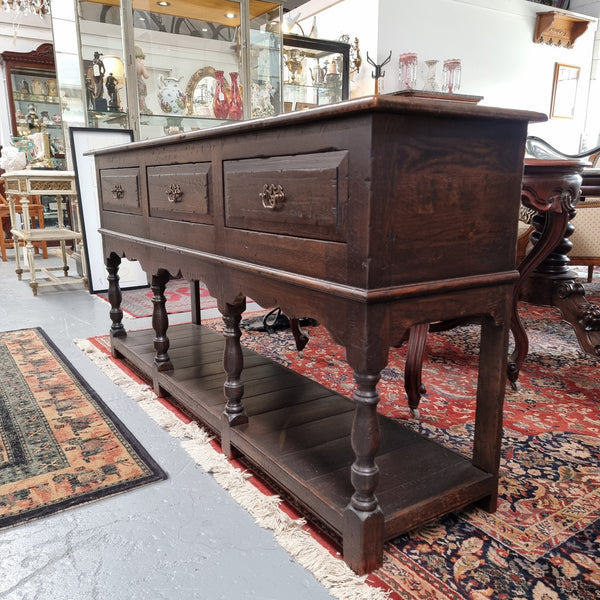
[{"x": 178, "y": 539}]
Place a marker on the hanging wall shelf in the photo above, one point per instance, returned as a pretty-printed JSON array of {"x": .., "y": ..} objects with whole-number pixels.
[{"x": 559, "y": 29}]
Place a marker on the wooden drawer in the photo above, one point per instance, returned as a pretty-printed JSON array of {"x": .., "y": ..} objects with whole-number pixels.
[
  {"x": 303, "y": 195},
  {"x": 120, "y": 191},
  {"x": 180, "y": 192}
]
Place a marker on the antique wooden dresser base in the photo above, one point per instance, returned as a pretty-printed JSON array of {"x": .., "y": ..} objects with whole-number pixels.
[
  {"x": 371, "y": 216},
  {"x": 298, "y": 433}
]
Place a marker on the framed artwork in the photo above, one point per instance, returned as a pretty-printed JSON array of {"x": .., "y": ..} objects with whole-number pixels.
[
  {"x": 564, "y": 91},
  {"x": 84, "y": 139}
]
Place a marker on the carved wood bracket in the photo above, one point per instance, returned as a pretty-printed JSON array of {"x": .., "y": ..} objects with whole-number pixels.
[{"x": 559, "y": 29}]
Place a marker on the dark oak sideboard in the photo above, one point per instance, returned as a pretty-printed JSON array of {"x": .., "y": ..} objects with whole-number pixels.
[{"x": 371, "y": 216}]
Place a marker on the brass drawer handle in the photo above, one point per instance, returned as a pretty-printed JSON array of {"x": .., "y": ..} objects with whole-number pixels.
[
  {"x": 174, "y": 193},
  {"x": 118, "y": 192},
  {"x": 272, "y": 196}
]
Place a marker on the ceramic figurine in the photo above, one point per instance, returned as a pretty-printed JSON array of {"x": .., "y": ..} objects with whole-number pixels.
[
  {"x": 52, "y": 89},
  {"x": 142, "y": 73},
  {"x": 38, "y": 87},
  {"x": 170, "y": 97}
]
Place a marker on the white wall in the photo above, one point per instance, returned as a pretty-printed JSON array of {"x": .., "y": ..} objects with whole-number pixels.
[{"x": 494, "y": 41}]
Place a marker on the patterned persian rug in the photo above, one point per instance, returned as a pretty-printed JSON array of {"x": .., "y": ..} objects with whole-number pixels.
[
  {"x": 137, "y": 303},
  {"x": 543, "y": 542},
  {"x": 60, "y": 446}
]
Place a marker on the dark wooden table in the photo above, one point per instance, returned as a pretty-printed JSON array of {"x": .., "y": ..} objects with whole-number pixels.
[{"x": 371, "y": 216}]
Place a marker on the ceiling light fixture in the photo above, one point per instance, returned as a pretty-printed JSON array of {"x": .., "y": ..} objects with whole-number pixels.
[
  {"x": 38, "y": 7},
  {"x": 162, "y": 3},
  {"x": 230, "y": 15}
]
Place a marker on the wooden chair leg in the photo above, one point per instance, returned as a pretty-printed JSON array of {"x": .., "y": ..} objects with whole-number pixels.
[
  {"x": 3, "y": 245},
  {"x": 590, "y": 273}
]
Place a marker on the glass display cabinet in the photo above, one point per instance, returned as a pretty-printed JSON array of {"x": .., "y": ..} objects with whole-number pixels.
[
  {"x": 167, "y": 67},
  {"x": 316, "y": 72},
  {"x": 33, "y": 96}
]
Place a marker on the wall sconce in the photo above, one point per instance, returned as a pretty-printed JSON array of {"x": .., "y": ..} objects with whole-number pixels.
[{"x": 355, "y": 57}]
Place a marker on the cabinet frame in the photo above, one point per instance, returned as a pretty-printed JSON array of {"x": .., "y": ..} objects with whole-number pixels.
[{"x": 42, "y": 58}]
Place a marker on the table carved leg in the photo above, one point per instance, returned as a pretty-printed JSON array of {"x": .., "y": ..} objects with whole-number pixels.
[
  {"x": 160, "y": 321},
  {"x": 301, "y": 338},
  {"x": 413, "y": 369},
  {"x": 114, "y": 296},
  {"x": 553, "y": 190},
  {"x": 233, "y": 363}
]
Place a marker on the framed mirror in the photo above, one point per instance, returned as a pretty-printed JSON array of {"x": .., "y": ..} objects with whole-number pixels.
[
  {"x": 564, "y": 91},
  {"x": 200, "y": 91}
]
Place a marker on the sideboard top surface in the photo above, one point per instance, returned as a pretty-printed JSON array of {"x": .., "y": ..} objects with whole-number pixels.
[{"x": 358, "y": 106}]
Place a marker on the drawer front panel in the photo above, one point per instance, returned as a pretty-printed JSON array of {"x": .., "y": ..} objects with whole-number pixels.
[
  {"x": 120, "y": 191},
  {"x": 180, "y": 192},
  {"x": 304, "y": 195}
]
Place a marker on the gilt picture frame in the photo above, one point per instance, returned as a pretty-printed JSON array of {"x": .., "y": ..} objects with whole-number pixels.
[{"x": 564, "y": 91}]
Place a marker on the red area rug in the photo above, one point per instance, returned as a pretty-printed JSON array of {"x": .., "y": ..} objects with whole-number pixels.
[
  {"x": 543, "y": 542},
  {"x": 60, "y": 446},
  {"x": 138, "y": 302}
]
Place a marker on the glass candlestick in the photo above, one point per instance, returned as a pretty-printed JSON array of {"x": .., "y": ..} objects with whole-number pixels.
[
  {"x": 452, "y": 73},
  {"x": 408, "y": 71},
  {"x": 431, "y": 84}
]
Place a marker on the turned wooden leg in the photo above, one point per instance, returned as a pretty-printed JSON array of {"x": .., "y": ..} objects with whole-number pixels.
[
  {"x": 233, "y": 363},
  {"x": 363, "y": 518},
  {"x": 195, "y": 302},
  {"x": 413, "y": 370},
  {"x": 114, "y": 297},
  {"x": 160, "y": 321},
  {"x": 31, "y": 262}
]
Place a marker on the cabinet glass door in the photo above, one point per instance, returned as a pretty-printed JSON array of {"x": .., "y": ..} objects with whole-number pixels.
[
  {"x": 103, "y": 60},
  {"x": 187, "y": 55},
  {"x": 316, "y": 72}
]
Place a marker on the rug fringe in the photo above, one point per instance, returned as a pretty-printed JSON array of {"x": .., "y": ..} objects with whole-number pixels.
[{"x": 331, "y": 572}]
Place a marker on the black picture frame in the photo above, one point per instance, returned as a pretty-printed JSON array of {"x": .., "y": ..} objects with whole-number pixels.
[{"x": 84, "y": 139}]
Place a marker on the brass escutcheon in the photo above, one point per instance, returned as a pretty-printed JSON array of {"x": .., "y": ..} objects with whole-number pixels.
[
  {"x": 118, "y": 192},
  {"x": 272, "y": 196},
  {"x": 174, "y": 193}
]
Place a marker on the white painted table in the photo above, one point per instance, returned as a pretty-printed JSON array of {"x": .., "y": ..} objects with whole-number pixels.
[{"x": 20, "y": 186}]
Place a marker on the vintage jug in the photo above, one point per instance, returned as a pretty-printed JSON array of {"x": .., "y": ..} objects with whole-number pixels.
[{"x": 170, "y": 97}]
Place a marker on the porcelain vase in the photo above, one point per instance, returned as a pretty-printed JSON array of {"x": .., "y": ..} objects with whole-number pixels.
[{"x": 170, "y": 97}]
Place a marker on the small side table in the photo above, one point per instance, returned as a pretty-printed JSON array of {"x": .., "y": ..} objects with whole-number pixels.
[{"x": 27, "y": 183}]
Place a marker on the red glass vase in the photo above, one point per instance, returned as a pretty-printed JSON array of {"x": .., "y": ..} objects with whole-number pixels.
[
  {"x": 220, "y": 103},
  {"x": 236, "y": 107}
]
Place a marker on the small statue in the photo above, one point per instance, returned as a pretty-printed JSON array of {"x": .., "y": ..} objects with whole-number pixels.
[
  {"x": 111, "y": 88},
  {"x": 98, "y": 71},
  {"x": 25, "y": 87},
  {"x": 89, "y": 93}
]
